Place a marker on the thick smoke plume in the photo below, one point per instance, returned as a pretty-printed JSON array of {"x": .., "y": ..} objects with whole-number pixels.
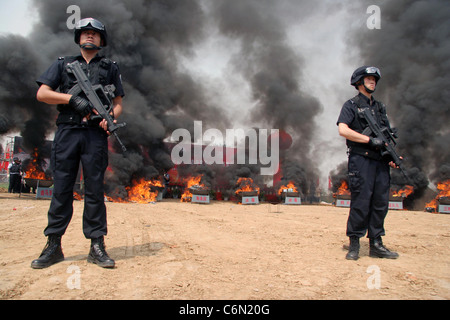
[
  {"x": 412, "y": 49},
  {"x": 148, "y": 39},
  {"x": 273, "y": 70},
  {"x": 154, "y": 40}
]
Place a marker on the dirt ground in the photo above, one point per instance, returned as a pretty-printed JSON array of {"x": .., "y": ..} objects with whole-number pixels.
[{"x": 171, "y": 250}]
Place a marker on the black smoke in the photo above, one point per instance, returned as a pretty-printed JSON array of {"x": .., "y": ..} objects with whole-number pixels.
[
  {"x": 19, "y": 108},
  {"x": 412, "y": 49},
  {"x": 274, "y": 71},
  {"x": 152, "y": 39},
  {"x": 148, "y": 39}
]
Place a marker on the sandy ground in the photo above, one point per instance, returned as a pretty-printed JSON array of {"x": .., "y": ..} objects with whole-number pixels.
[{"x": 223, "y": 250}]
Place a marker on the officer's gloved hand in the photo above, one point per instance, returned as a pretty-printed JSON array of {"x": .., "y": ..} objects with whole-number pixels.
[
  {"x": 80, "y": 105},
  {"x": 375, "y": 142}
]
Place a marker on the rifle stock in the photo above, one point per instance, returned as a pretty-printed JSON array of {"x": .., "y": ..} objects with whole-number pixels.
[{"x": 100, "y": 98}]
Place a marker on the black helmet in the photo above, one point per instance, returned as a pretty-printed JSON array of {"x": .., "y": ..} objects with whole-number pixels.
[
  {"x": 90, "y": 24},
  {"x": 362, "y": 72}
]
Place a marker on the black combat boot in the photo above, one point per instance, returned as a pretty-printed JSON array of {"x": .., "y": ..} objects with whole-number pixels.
[
  {"x": 353, "y": 249},
  {"x": 378, "y": 250},
  {"x": 98, "y": 254},
  {"x": 51, "y": 254}
]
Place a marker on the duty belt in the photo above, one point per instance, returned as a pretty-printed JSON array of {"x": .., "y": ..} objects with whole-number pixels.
[
  {"x": 372, "y": 154},
  {"x": 75, "y": 118}
]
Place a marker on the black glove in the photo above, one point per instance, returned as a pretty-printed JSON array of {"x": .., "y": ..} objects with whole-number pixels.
[
  {"x": 80, "y": 105},
  {"x": 376, "y": 142}
]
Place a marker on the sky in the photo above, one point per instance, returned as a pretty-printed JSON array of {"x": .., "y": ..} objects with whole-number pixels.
[{"x": 16, "y": 17}]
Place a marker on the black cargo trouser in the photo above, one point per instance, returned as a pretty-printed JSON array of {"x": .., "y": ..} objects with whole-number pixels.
[
  {"x": 369, "y": 182},
  {"x": 72, "y": 145},
  {"x": 15, "y": 181}
]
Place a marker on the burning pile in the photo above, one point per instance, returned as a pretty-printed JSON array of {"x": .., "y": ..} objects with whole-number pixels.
[
  {"x": 442, "y": 201},
  {"x": 343, "y": 191},
  {"x": 396, "y": 197},
  {"x": 247, "y": 191},
  {"x": 34, "y": 170},
  {"x": 194, "y": 186},
  {"x": 403, "y": 193},
  {"x": 140, "y": 191},
  {"x": 342, "y": 195},
  {"x": 34, "y": 173},
  {"x": 290, "y": 187},
  {"x": 289, "y": 193}
]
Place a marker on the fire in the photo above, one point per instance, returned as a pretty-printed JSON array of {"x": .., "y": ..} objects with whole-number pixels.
[
  {"x": 444, "y": 192},
  {"x": 33, "y": 170},
  {"x": 246, "y": 185},
  {"x": 405, "y": 192},
  {"x": 191, "y": 181},
  {"x": 77, "y": 196},
  {"x": 140, "y": 191},
  {"x": 342, "y": 190},
  {"x": 290, "y": 186}
]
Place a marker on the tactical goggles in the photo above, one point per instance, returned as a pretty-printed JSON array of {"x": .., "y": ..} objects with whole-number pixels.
[
  {"x": 373, "y": 70},
  {"x": 83, "y": 23}
]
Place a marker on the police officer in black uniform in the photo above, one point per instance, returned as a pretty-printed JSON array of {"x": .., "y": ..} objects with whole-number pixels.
[
  {"x": 368, "y": 171},
  {"x": 15, "y": 176},
  {"x": 81, "y": 136}
]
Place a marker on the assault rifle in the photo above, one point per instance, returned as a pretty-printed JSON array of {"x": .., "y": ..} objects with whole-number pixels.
[
  {"x": 99, "y": 96},
  {"x": 385, "y": 134}
]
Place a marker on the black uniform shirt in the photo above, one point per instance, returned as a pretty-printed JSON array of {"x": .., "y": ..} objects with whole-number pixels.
[
  {"x": 348, "y": 111},
  {"x": 53, "y": 76},
  {"x": 350, "y": 117}
]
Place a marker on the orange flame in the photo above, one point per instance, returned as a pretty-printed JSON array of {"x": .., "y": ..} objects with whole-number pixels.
[
  {"x": 246, "y": 185},
  {"x": 191, "y": 181},
  {"x": 444, "y": 188},
  {"x": 290, "y": 185},
  {"x": 405, "y": 192},
  {"x": 342, "y": 190},
  {"x": 77, "y": 196},
  {"x": 139, "y": 192},
  {"x": 33, "y": 171}
]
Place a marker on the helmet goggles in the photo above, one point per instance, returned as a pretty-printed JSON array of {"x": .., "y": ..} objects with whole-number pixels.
[
  {"x": 90, "y": 24},
  {"x": 83, "y": 23},
  {"x": 373, "y": 70}
]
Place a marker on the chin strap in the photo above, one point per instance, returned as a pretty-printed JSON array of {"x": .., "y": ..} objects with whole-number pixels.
[
  {"x": 89, "y": 46},
  {"x": 369, "y": 90}
]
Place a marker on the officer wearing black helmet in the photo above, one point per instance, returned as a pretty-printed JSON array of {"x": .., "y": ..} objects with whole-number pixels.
[
  {"x": 15, "y": 176},
  {"x": 80, "y": 137},
  {"x": 368, "y": 171}
]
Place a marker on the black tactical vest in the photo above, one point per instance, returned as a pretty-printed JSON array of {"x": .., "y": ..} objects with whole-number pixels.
[
  {"x": 98, "y": 72},
  {"x": 15, "y": 168},
  {"x": 359, "y": 124}
]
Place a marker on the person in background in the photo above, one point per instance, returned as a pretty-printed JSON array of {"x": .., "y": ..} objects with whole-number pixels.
[{"x": 15, "y": 175}]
